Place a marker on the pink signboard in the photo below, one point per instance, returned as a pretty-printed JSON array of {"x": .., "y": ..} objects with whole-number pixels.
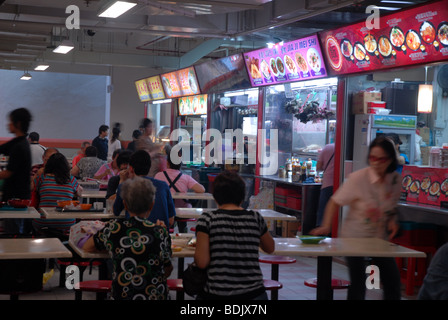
[{"x": 293, "y": 61}]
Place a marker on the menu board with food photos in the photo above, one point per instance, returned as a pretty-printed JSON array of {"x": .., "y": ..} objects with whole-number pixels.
[
  {"x": 292, "y": 61},
  {"x": 180, "y": 83},
  {"x": 426, "y": 185},
  {"x": 412, "y": 36},
  {"x": 150, "y": 89},
  {"x": 193, "y": 105}
]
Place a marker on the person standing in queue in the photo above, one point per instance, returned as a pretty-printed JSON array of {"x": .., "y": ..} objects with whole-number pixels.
[
  {"x": 325, "y": 163},
  {"x": 372, "y": 195},
  {"x": 17, "y": 174},
  {"x": 101, "y": 143},
  {"x": 145, "y": 142}
]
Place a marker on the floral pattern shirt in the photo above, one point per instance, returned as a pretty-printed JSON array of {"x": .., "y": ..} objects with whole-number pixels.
[{"x": 140, "y": 251}]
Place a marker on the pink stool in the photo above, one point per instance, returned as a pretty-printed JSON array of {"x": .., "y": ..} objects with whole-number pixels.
[{"x": 275, "y": 261}]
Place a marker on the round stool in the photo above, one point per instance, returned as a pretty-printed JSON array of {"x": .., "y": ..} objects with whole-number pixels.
[
  {"x": 176, "y": 285},
  {"x": 101, "y": 287},
  {"x": 335, "y": 283},
  {"x": 275, "y": 261}
]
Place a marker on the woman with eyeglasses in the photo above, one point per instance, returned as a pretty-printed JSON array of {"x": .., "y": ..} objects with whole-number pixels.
[{"x": 372, "y": 195}]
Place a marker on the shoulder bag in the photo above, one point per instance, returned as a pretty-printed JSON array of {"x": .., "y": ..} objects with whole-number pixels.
[{"x": 194, "y": 279}]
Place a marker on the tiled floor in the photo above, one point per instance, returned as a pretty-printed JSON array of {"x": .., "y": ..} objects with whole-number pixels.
[{"x": 292, "y": 276}]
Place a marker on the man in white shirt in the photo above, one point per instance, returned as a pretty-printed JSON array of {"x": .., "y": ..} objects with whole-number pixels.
[{"x": 37, "y": 150}]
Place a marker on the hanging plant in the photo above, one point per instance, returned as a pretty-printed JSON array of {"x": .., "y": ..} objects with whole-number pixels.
[{"x": 310, "y": 111}]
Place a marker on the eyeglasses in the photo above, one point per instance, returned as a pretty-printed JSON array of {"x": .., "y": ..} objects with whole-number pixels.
[{"x": 378, "y": 159}]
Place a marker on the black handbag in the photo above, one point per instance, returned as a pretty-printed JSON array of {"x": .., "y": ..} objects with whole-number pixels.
[{"x": 193, "y": 280}]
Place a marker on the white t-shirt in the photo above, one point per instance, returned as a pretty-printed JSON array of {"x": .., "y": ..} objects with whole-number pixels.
[
  {"x": 37, "y": 151},
  {"x": 368, "y": 200},
  {"x": 112, "y": 147}
]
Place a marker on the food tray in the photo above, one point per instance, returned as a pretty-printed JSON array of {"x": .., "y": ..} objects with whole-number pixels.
[{"x": 59, "y": 209}]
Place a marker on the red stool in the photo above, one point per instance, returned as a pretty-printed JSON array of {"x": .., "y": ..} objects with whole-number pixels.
[
  {"x": 335, "y": 283},
  {"x": 176, "y": 285},
  {"x": 82, "y": 265},
  {"x": 272, "y": 285},
  {"x": 413, "y": 272},
  {"x": 275, "y": 261},
  {"x": 101, "y": 287},
  {"x": 184, "y": 220}
]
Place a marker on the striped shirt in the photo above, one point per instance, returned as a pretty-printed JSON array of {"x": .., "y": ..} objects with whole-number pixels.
[
  {"x": 50, "y": 193},
  {"x": 234, "y": 235}
]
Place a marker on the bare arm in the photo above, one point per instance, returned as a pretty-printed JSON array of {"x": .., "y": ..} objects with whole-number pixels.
[
  {"x": 198, "y": 188},
  {"x": 75, "y": 171},
  {"x": 267, "y": 243},
  {"x": 202, "y": 252},
  {"x": 89, "y": 245},
  {"x": 330, "y": 210}
]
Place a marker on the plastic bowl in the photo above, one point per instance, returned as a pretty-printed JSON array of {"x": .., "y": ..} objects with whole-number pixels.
[
  {"x": 85, "y": 206},
  {"x": 311, "y": 239},
  {"x": 19, "y": 203},
  {"x": 62, "y": 204}
]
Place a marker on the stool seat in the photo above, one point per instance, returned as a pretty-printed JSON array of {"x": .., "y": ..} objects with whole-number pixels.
[
  {"x": 96, "y": 286},
  {"x": 276, "y": 259},
  {"x": 272, "y": 284},
  {"x": 84, "y": 263},
  {"x": 175, "y": 284},
  {"x": 335, "y": 283},
  {"x": 185, "y": 219}
]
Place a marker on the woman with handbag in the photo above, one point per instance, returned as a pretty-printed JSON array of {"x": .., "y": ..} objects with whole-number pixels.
[{"x": 228, "y": 242}]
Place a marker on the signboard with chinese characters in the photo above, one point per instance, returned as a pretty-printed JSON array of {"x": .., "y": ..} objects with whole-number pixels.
[
  {"x": 150, "y": 89},
  {"x": 412, "y": 36},
  {"x": 292, "y": 61},
  {"x": 180, "y": 83}
]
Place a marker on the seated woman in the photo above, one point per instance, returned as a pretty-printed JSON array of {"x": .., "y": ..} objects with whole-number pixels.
[
  {"x": 89, "y": 165},
  {"x": 55, "y": 184},
  {"x": 109, "y": 169},
  {"x": 229, "y": 239},
  {"x": 178, "y": 182},
  {"x": 140, "y": 249}
]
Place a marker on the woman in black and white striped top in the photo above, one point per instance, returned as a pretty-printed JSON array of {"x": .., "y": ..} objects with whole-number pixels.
[{"x": 228, "y": 242}]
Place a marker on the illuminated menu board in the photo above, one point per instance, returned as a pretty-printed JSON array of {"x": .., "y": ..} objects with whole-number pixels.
[
  {"x": 412, "y": 36},
  {"x": 292, "y": 61},
  {"x": 142, "y": 90},
  {"x": 193, "y": 105},
  {"x": 180, "y": 83},
  {"x": 150, "y": 89}
]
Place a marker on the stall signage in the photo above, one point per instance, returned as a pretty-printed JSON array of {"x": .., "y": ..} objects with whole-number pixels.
[
  {"x": 180, "y": 83},
  {"x": 413, "y": 36},
  {"x": 292, "y": 61},
  {"x": 142, "y": 90},
  {"x": 193, "y": 105},
  {"x": 150, "y": 89}
]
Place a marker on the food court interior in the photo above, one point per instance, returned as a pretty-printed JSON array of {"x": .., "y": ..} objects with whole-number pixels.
[{"x": 95, "y": 83}]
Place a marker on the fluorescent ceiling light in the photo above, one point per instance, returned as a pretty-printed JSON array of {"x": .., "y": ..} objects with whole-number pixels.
[
  {"x": 65, "y": 47},
  {"x": 388, "y": 8},
  {"x": 161, "y": 101},
  {"x": 41, "y": 67},
  {"x": 116, "y": 9},
  {"x": 397, "y": 2},
  {"x": 26, "y": 76}
]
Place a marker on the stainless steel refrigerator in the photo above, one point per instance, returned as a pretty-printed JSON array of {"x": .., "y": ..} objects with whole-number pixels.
[{"x": 368, "y": 126}]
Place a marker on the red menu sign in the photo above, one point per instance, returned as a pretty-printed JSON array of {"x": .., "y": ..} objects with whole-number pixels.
[
  {"x": 413, "y": 36},
  {"x": 292, "y": 61},
  {"x": 180, "y": 83}
]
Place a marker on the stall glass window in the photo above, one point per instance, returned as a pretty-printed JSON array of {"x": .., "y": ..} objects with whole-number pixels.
[
  {"x": 304, "y": 115},
  {"x": 390, "y": 101}
]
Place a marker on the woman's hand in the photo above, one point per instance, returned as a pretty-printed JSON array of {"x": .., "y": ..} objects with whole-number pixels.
[
  {"x": 392, "y": 228},
  {"x": 320, "y": 231}
]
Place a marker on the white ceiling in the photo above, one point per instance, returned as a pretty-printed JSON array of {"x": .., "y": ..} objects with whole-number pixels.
[{"x": 162, "y": 34}]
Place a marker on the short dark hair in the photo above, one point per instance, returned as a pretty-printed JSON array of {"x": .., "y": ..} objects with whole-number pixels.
[
  {"x": 136, "y": 134},
  {"x": 115, "y": 134},
  {"x": 141, "y": 162},
  {"x": 103, "y": 128},
  {"x": 58, "y": 165},
  {"x": 123, "y": 157},
  {"x": 91, "y": 151},
  {"x": 34, "y": 136},
  {"x": 168, "y": 158},
  {"x": 389, "y": 148},
  {"x": 21, "y": 118},
  {"x": 229, "y": 187},
  {"x": 146, "y": 122}
]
